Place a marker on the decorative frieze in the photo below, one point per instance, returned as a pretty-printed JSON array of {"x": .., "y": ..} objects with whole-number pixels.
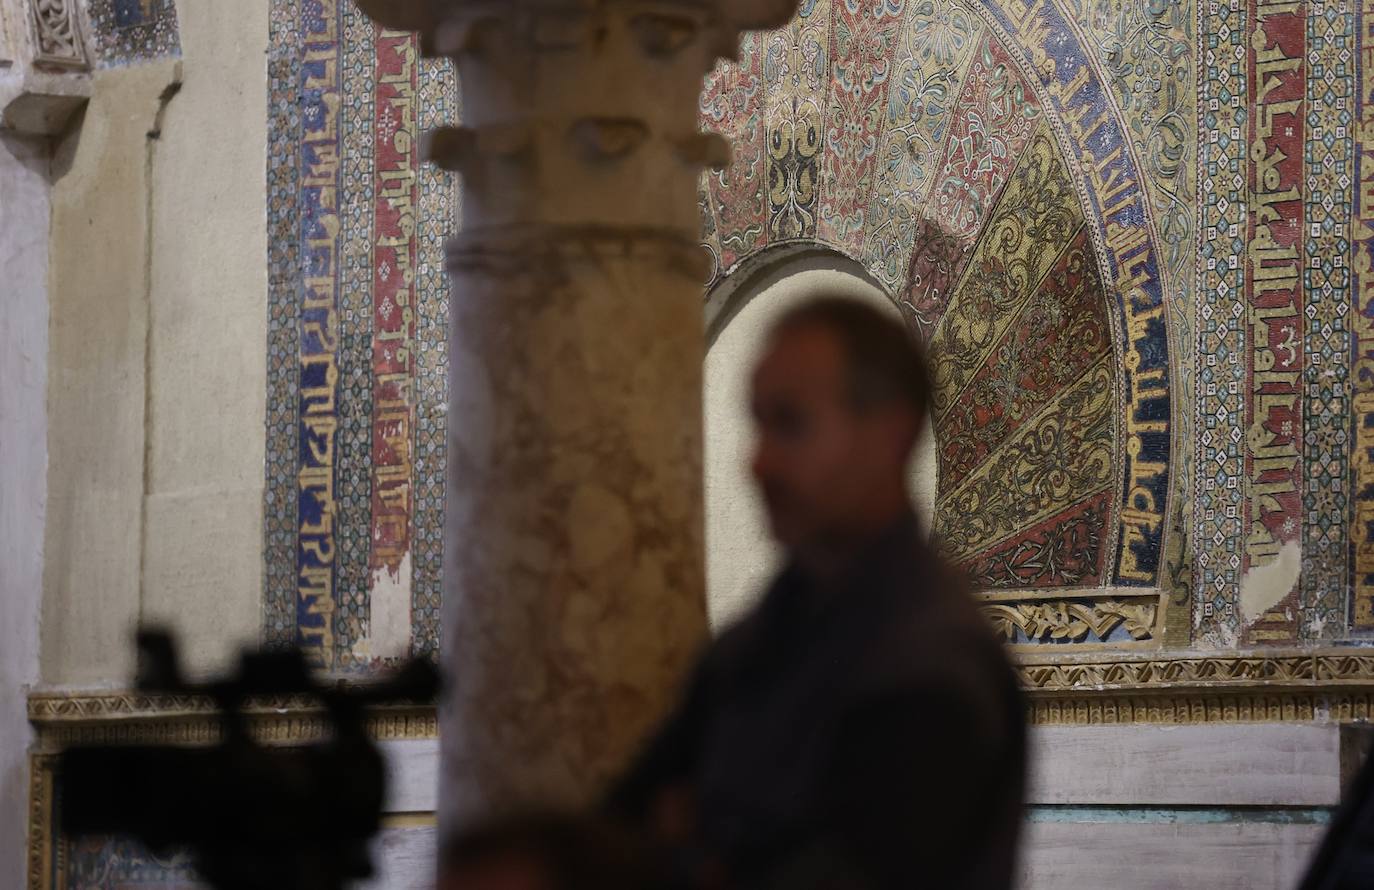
[{"x": 1061, "y": 621}]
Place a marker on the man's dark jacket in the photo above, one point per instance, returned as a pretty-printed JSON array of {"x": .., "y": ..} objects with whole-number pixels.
[{"x": 869, "y": 735}]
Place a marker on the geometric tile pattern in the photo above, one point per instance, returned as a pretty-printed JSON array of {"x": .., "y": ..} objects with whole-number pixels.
[
  {"x": 1273, "y": 346},
  {"x": 1362, "y": 337},
  {"x": 1329, "y": 162},
  {"x": 125, "y": 32},
  {"x": 1221, "y": 323}
]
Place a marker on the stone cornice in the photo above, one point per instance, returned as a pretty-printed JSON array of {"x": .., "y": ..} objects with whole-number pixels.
[
  {"x": 1201, "y": 687},
  {"x": 66, "y": 718},
  {"x": 1177, "y": 672},
  {"x": 1096, "y": 687}
]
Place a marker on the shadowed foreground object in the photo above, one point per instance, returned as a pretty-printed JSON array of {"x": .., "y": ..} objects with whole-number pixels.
[
  {"x": 546, "y": 851},
  {"x": 1345, "y": 860},
  {"x": 253, "y": 817}
]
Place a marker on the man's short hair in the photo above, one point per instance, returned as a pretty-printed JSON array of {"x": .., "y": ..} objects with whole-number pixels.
[
  {"x": 571, "y": 852},
  {"x": 885, "y": 361}
]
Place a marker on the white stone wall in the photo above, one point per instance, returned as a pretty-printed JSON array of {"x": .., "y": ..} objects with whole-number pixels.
[
  {"x": 159, "y": 356},
  {"x": 23, "y": 457},
  {"x": 740, "y": 556},
  {"x": 1126, "y": 807}
]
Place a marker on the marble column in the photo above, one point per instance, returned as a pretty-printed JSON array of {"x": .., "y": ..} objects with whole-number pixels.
[{"x": 574, "y": 556}]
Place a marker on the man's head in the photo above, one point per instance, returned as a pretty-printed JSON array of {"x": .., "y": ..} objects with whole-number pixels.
[{"x": 839, "y": 400}]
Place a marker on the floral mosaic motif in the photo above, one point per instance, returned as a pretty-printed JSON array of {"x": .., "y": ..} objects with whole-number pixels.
[
  {"x": 1040, "y": 208},
  {"x": 1060, "y": 332},
  {"x": 1064, "y": 551},
  {"x": 796, "y": 68},
  {"x": 941, "y": 31},
  {"x": 732, "y": 104},
  {"x": 1062, "y": 456},
  {"x": 864, "y": 34},
  {"x": 925, "y": 82},
  {"x": 937, "y": 257},
  {"x": 994, "y": 117}
]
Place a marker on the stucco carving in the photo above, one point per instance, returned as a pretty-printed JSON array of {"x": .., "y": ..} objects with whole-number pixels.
[
  {"x": 1074, "y": 621},
  {"x": 57, "y": 34}
]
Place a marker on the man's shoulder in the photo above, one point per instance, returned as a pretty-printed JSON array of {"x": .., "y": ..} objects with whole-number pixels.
[{"x": 935, "y": 628}]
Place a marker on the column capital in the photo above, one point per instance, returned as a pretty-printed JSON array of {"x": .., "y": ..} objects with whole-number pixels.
[
  {"x": 426, "y": 16},
  {"x": 579, "y": 112}
]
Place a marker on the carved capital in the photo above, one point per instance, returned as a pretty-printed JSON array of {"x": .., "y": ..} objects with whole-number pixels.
[
  {"x": 419, "y": 15},
  {"x": 579, "y": 112}
]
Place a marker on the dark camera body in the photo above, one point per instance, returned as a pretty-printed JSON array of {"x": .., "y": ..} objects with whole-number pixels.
[{"x": 254, "y": 817}]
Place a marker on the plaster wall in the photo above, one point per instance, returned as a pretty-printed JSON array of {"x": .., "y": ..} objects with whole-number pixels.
[
  {"x": 23, "y": 456},
  {"x": 207, "y": 357},
  {"x": 158, "y": 356},
  {"x": 740, "y": 554}
]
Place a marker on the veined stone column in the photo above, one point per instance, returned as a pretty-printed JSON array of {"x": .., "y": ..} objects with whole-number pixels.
[{"x": 574, "y": 556}]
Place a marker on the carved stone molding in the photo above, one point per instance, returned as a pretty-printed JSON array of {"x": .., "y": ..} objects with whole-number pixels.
[
  {"x": 1315, "y": 685},
  {"x": 1218, "y": 706},
  {"x": 43, "y": 846},
  {"x": 1185, "y": 687},
  {"x": 132, "y": 718},
  {"x": 57, "y": 37},
  {"x": 1194, "y": 670}
]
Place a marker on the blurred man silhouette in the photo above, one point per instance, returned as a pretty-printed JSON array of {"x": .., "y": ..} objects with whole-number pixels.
[
  {"x": 545, "y": 851},
  {"x": 862, "y": 727}
]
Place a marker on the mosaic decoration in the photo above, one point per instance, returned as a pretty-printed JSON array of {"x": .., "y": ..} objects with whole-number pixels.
[
  {"x": 358, "y": 322},
  {"x": 1274, "y": 352},
  {"x": 973, "y": 161},
  {"x": 1328, "y": 196},
  {"x": 127, "y": 32},
  {"x": 1136, "y": 236},
  {"x": 1362, "y": 321}
]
